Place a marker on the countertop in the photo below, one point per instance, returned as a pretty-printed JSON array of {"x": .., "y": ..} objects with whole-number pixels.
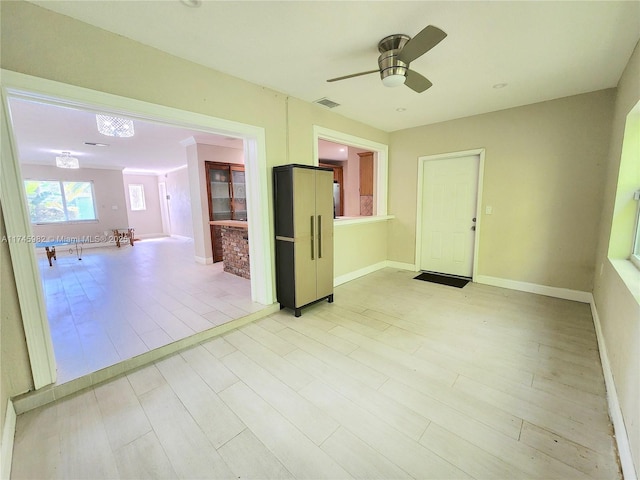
[{"x": 230, "y": 223}]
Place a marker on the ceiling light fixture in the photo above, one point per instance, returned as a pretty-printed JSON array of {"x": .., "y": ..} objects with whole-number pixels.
[
  {"x": 115, "y": 126},
  {"x": 67, "y": 161},
  {"x": 394, "y": 80}
]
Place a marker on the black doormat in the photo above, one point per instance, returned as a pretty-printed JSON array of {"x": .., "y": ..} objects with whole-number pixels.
[{"x": 457, "y": 282}]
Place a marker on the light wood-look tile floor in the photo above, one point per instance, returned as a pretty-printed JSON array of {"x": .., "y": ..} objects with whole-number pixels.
[
  {"x": 397, "y": 379},
  {"x": 117, "y": 303}
]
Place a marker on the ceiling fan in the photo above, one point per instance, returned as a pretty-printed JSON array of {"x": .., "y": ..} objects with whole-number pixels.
[{"x": 397, "y": 52}]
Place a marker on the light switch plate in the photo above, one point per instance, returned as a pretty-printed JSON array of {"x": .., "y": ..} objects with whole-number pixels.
[{"x": 488, "y": 210}]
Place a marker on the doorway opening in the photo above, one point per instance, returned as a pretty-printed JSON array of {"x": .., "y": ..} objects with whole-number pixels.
[
  {"x": 360, "y": 172},
  {"x": 20, "y": 88},
  {"x": 448, "y": 213}
]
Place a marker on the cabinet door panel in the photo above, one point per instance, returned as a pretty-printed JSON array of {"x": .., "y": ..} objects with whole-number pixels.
[
  {"x": 324, "y": 213},
  {"x": 304, "y": 208},
  {"x": 305, "y": 273}
]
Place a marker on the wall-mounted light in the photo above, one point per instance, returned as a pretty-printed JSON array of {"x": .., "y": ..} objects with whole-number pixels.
[{"x": 67, "y": 161}]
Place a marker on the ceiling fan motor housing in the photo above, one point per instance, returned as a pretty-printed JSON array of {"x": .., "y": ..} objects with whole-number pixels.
[{"x": 388, "y": 61}]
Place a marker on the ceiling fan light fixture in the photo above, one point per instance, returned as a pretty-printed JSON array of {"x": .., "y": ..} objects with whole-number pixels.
[
  {"x": 115, "y": 126},
  {"x": 394, "y": 80},
  {"x": 67, "y": 161}
]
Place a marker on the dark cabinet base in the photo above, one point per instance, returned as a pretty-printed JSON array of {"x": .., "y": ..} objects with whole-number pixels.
[{"x": 298, "y": 311}]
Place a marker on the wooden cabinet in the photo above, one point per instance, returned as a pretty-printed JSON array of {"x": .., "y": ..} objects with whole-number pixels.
[
  {"x": 227, "y": 198},
  {"x": 366, "y": 183},
  {"x": 304, "y": 235}
]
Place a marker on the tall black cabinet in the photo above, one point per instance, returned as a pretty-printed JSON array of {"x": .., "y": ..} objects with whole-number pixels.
[{"x": 304, "y": 235}]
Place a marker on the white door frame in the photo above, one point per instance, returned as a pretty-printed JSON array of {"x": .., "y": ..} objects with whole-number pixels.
[
  {"x": 164, "y": 208},
  {"x": 31, "y": 298},
  {"x": 448, "y": 156}
]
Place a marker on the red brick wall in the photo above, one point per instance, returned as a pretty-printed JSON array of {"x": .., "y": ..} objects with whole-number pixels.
[{"x": 235, "y": 251}]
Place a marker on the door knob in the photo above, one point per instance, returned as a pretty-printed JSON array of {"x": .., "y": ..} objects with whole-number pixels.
[{"x": 473, "y": 228}]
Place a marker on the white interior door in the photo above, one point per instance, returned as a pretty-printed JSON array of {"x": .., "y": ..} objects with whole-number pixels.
[{"x": 450, "y": 192}]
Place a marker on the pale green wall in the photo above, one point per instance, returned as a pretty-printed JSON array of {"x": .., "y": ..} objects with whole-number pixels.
[
  {"x": 618, "y": 306},
  {"x": 15, "y": 370},
  {"x": 543, "y": 174}
]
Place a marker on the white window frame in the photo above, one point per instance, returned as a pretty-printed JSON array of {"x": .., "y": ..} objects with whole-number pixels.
[
  {"x": 64, "y": 202},
  {"x": 635, "y": 248},
  {"x": 140, "y": 187},
  {"x": 381, "y": 165}
]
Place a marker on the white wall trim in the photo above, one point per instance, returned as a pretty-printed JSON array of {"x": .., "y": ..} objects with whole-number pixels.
[
  {"x": 382, "y": 160},
  {"x": 143, "y": 236},
  {"x": 402, "y": 266},
  {"x": 343, "y": 221},
  {"x": 347, "y": 277},
  {"x": 8, "y": 434},
  {"x": 204, "y": 260},
  {"x": 565, "y": 293},
  {"x": 480, "y": 152},
  {"x": 615, "y": 412},
  {"x": 23, "y": 256}
]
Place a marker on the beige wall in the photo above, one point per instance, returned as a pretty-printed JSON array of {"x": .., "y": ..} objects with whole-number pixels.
[
  {"x": 543, "y": 177},
  {"x": 368, "y": 239},
  {"x": 109, "y": 193},
  {"x": 617, "y": 305},
  {"x": 217, "y": 153},
  {"x": 15, "y": 370},
  {"x": 146, "y": 222}
]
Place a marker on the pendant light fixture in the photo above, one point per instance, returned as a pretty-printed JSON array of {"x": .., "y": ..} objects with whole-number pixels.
[
  {"x": 67, "y": 161},
  {"x": 115, "y": 126}
]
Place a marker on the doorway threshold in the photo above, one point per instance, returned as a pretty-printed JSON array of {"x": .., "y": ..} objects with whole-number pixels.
[{"x": 51, "y": 393}]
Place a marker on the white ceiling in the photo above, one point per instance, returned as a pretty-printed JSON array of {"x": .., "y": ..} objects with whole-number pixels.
[
  {"x": 43, "y": 131},
  {"x": 540, "y": 49}
]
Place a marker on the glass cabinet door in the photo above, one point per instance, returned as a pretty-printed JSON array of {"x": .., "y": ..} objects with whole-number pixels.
[
  {"x": 239, "y": 195},
  {"x": 220, "y": 207}
]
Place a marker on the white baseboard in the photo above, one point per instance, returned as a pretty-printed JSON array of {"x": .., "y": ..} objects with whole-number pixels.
[
  {"x": 565, "y": 293},
  {"x": 204, "y": 260},
  {"x": 8, "y": 434},
  {"x": 402, "y": 266},
  {"x": 347, "y": 277},
  {"x": 615, "y": 412},
  {"x": 142, "y": 236}
]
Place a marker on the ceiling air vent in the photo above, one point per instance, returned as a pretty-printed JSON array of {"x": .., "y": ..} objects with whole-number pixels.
[{"x": 327, "y": 103}]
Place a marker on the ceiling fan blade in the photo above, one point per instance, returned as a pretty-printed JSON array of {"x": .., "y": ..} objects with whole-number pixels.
[
  {"x": 424, "y": 41},
  {"x": 352, "y": 75},
  {"x": 417, "y": 82}
]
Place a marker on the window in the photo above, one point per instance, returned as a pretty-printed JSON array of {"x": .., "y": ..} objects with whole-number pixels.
[
  {"x": 136, "y": 197},
  {"x": 635, "y": 252},
  {"x": 53, "y": 201}
]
